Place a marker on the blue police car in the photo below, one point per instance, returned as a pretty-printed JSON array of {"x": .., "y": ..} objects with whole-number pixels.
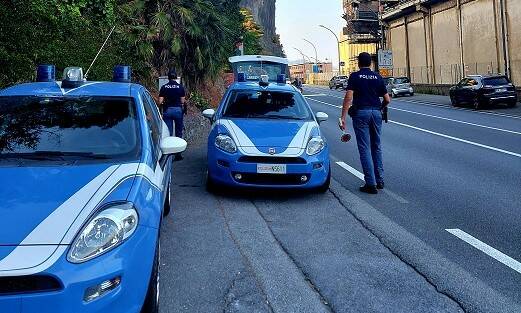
[
  {"x": 264, "y": 134},
  {"x": 84, "y": 182}
]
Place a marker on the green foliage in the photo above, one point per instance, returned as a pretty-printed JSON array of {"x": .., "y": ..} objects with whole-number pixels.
[
  {"x": 194, "y": 36},
  {"x": 251, "y": 33},
  {"x": 199, "y": 101}
]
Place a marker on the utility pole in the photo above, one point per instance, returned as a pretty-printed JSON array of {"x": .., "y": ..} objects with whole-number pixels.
[{"x": 338, "y": 48}]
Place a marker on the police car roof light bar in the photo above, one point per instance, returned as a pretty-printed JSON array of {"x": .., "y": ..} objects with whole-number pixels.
[
  {"x": 72, "y": 77},
  {"x": 122, "y": 74},
  {"x": 281, "y": 78},
  {"x": 46, "y": 73},
  {"x": 241, "y": 77},
  {"x": 96, "y": 57}
]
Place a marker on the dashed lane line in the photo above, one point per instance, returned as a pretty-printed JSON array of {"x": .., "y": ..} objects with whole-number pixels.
[
  {"x": 490, "y": 251},
  {"x": 361, "y": 177}
]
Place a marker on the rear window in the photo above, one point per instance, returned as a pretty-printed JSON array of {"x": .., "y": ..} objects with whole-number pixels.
[
  {"x": 69, "y": 127},
  {"x": 495, "y": 81},
  {"x": 266, "y": 104},
  {"x": 401, "y": 80}
]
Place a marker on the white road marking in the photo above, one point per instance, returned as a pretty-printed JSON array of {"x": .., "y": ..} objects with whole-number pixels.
[
  {"x": 361, "y": 177},
  {"x": 442, "y": 135},
  {"x": 434, "y": 104},
  {"x": 458, "y": 139},
  {"x": 490, "y": 251},
  {"x": 351, "y": 170},
  {"x": 316, "y": 95},
  {"x": 457, "y": 121},
  {"x": 331, "y": 105}
]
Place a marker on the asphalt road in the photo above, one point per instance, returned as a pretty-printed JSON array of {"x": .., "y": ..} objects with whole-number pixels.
[{"x": 344, "y": 251}]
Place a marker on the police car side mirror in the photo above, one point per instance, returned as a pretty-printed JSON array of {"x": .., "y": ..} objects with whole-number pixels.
[
  {"x": 321, "y": 117},
  {"x": 173, "y": 145},
  {"x": 209, "y": 113}
]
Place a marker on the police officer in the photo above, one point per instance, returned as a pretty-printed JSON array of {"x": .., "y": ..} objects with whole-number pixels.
[
  {"x": 362, "y": 103},
  {"x": 173, "y": 104}
]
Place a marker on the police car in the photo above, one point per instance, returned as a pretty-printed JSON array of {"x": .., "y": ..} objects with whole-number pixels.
[
  {"x": 264, "y": 133},
  {"x": 84, "y": 182}
]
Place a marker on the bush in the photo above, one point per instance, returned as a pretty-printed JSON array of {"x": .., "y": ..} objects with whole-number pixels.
[{"x": 199, "y": 101}]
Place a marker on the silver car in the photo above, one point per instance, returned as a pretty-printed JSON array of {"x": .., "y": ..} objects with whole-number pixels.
[{"x": 399, "y": 86}]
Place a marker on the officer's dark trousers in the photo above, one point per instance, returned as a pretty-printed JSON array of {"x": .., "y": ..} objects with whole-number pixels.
[
  {"x": 174, "y": 115},
  {"x": 368, "y": 126}
]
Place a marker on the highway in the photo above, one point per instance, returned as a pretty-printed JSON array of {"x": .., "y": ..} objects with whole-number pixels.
[
  {"x": 445, "y": 169},
  {"x": 442, "y": 237}
]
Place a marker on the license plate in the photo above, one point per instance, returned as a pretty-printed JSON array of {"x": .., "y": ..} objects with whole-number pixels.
[
  {"x": 501, "y": 90},
  {"x": 271, "y": 168}
]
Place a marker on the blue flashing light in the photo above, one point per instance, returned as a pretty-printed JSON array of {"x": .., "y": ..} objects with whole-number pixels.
[
  {"x": 281, "y": 78},
  {"x": 46, "y": 73},
  {"x": 241, "y": 77},
  {"x": 122, "y": 74}
]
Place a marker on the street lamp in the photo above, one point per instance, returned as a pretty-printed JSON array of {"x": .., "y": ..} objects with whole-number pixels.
[
  {"x": 316, "y": 54},
  {"x": 304, "y": 63},
  {"x": 337, "y": 45}
]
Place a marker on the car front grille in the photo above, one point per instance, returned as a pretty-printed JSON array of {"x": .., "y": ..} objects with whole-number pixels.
[
  {"x": 272, "y": 160},
  {"x": 28, "y": 284},
  {"x": 272, "y": 179}
]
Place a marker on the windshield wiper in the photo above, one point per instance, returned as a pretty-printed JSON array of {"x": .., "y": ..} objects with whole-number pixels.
[{"x": 52, "y": 155}]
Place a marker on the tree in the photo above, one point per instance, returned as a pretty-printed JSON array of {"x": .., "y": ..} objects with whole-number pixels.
[{"x": 252, "y": 33}]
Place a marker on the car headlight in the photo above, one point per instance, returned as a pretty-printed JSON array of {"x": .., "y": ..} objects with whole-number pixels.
[
  {"x": 225, "y": 143},
  {"x": 105, "y": 231},
  {"x": 315, "y": 145}
]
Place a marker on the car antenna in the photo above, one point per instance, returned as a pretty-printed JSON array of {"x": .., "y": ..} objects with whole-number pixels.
[{"x": 96, "y": 57}]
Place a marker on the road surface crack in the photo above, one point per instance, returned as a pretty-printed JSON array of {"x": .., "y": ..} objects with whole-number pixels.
[
  {"x": 426, "y": 278},
  {"x": 246, "y": 261},
  {"x": 306, "y": 276}
]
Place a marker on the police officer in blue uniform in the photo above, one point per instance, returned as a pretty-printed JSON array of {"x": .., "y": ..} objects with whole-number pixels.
[
  {"x": 173, "y": 103},
  {"x": 362, "y": 103}
]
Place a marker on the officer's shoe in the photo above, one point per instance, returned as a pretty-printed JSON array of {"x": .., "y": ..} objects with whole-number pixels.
[
  {"x": 380, "y": 185},
  {"x": 370, "y": 189}
]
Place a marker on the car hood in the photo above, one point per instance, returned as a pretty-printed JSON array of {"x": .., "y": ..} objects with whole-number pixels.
[
  {"x": 30, "y": 195},
  {"x": 259, "y": 136}
]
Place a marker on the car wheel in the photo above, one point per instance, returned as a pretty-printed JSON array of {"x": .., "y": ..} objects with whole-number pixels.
[
  {"x": 393, "y": 95},
  {"x": 331, "y": 87},
  {"x": 411, "y": 94},
  {"x": 325, "y": 187},
  {"x": 453, "y": 101},
  {"x": 211, "y": 186},
  {"x": 167, "y": 205},
  {"x": 151, "y": 304},
  {"x": 512, "y": 104},
  {"x": 476, "y": 105}
]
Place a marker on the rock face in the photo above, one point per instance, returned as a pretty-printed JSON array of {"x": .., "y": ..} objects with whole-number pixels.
[{"x": 264, "y": 13}]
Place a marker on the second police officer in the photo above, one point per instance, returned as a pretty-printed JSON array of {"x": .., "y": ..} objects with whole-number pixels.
[
  {"x": 362, "y": 103},
  {"x": 172, "y": 102}
]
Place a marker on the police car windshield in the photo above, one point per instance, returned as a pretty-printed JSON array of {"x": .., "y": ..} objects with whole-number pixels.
[
  {"x": 266, "y": 104},
  {"x": 68, "y": 128}
]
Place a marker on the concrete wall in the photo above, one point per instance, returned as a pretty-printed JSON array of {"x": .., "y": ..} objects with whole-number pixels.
[{"x": 440, "y": 43}]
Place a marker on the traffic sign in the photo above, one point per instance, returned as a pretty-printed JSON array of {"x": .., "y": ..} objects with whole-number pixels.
[{"x": 385, "y": 59}]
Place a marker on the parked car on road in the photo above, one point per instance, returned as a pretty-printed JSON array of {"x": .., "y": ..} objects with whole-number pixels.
[
  {"x": 480, "y": 91},
  {"x": 85, "y": 181},
  {"x": 399, "y": 86},
  {"x": 265, "y": 135},
  {"x": 338, "y": 82}
]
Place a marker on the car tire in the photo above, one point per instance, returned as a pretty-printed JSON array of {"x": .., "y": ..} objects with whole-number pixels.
[
  {"x": 325, "y": 186},
  {"x": 211, "y": 186},
  {"x": 167, "y": 206},
  {"x": 151, "y": 304},
  {"x": 331, "y": 87},
  {"x": 393, "y": 95},
  {"x": 453, "y": 101},
  {"x": 411, "y": 94},
  {"x": 476, "y": 105},
  {"x": 512, "y": 104}
]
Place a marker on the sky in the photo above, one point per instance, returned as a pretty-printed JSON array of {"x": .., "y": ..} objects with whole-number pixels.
[{"x": 298, "y": 19}]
